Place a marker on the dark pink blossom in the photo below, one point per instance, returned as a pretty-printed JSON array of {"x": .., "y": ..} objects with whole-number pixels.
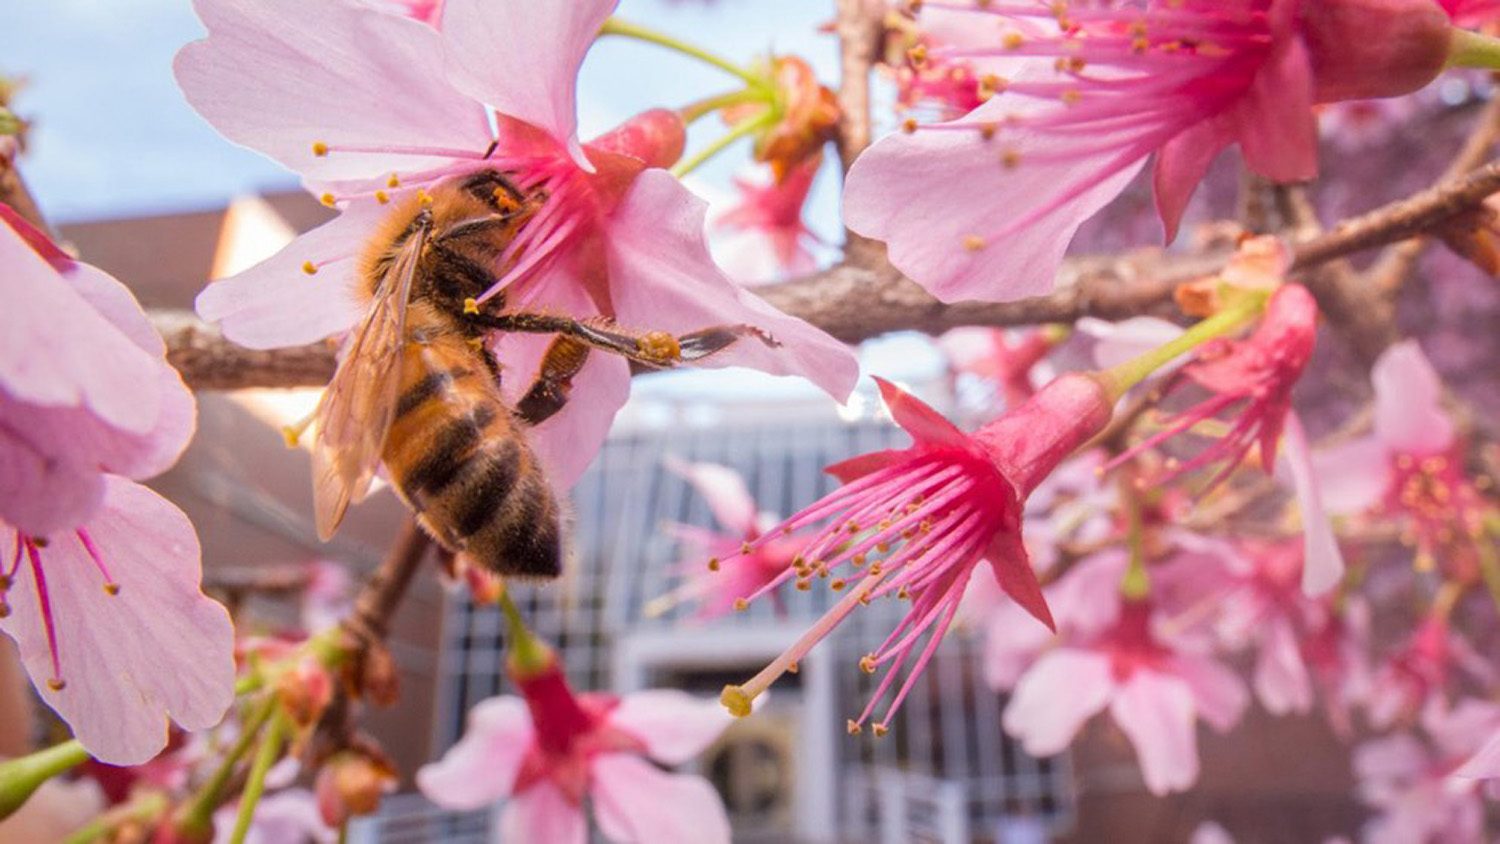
[
  {"x": 915, "y": 523},
  {"x": 984, "y": 206},
  {"x": 774, "y": 211}
]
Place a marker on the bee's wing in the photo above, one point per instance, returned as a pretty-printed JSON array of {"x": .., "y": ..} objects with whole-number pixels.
[{"x": 356, "y": 410}]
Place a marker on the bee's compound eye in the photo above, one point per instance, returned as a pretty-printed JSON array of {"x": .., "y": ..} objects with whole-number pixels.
[{"x": 660, "y": 345}]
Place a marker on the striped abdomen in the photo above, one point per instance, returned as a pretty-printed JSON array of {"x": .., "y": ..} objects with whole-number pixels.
[{"x": 461, "y": 462}]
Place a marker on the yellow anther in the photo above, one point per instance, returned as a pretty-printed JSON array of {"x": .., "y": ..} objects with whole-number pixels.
[
  {"x": 793, "y": 667},
  {"x": 471, "y": 306},
  {"x": 327, "y": 199},
  {"x": 859, "y": 560},
  {"x": 290, "y": 435},
  {"x": 424, "y": 197},
  {"x": 879, "y": 730},
  {"x": 740, "y": 604},
  {"x": 973, "y": 242},
  {"x": 853, "y": 727},
  {"x": 917, "y": 54},
  {"x": 736, "y": 701},
  {"x": 111, "y": 588},
  {"x": 837, "y": 585},
  {"x": 393, "y": 182},
  {"x": 867, "y": 663},
  {"x": 1071, "y": 96},
  {"x": 803, "y": 585},
  {"x": 320, "y": 149},
  {"x": 382, "y": 197},
  {"x": 987, "y": 131},
  {"x": 309, "y": 267},
  {"x": 56, "y": 684},
  {"x": 744, "y": 548},
  {"x": 909, "y": 125},
  {"x": 1012, "y": 40},
  {"x": 713, "y": 563},
  {"x": 1010, "y": 159}
]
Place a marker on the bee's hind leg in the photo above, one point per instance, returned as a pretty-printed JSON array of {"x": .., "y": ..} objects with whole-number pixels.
[
  {"x": 656, "y": 349},
  {"x": 548, "y": 394}
]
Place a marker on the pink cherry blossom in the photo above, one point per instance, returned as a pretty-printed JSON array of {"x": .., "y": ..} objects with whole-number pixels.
[
  {"x": 549, "y": 750},
  {"x": 915, "y": 523},
  {"x": 731, "y": 576},
  {"x": 773, "y": 210},
  {"x": 1004, "y": 363},
  {"x": 113, "y": 627},
  {"x": 1154, "y": 693},
  {"x": 100, "y": 581},
  {"x": 369, "y": 106},
  {"x": 984, "y": 206},
  {"x": 289, "y": 816},
  {"x": 1421, "y": 673},
  {"x": 102, "y": 400},
  {"x": 1410, "y": 467},
  {"x": 1252, "y": 379},
  {"x": 1411, "y": 784}
]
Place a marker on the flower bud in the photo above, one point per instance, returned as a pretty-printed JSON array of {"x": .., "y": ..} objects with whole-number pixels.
[
  {"x": 351, "y": 783},
  {"x": 809, "y": 116},
  {"x": 304, "y": 691},
  {"x": 656, "y": 137},
  {"x": 1363, "y": 49}
]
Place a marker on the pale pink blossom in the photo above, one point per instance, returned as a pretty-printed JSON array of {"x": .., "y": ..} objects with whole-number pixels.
[
  {"x": 99, "y": 582},
  {"x": 368, "y": 106},
  {"x": 730, "y": 576},
  {"x": 102, "y": 399},
  {"x": 289, "y": 816},
  {"x": 1410, "y": 783},
  {"x": 983, "y": 207},
  {"x": 916, "y": 523},
  {"x": 549, "y": 750},
  {"x": 1410, "y": 467},
  {"x": 1155, "y": 693},
  {"x": 1006, "y": 362}
]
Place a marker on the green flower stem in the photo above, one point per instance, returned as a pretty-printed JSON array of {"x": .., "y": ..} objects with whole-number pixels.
[
  {"x": 615, "y": 26},
  {"x": 22, "y": 776},
  {"x": 744, "y": 128},
  {"x": 143, "y": 808},
  {"x": 265, "y": 756},
  {"x": 528, "y": 655},
  {"x": 1470, "y": 49},
  {"x": 9, "y": 124},
  {"x": 199, "y": 817},
  {"x": 1136, "y": 584},
  {"x": 704, "y": 107},
  {"x": 1489, "y": 560},
  {"x": 1122, "y": 377}
]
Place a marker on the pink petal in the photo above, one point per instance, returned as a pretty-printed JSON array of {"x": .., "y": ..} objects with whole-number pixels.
[
  {"x": 1181, "y": 164},
  {"x": 1408, "y": 412},
  {"x": 38, "y": 493},
  {"x": 1281, "y": 680},
  {"x": 280, "y": 75},
  {"x": 114, "y": 301},
  {"x": 1012, "y": 569},
  {"x": 1218, "y": 694},
  {"x": 1052, "y": 701},
  {"x": 1486, "y": 763},
  {"x": 724, "y": 490},
  {"x": 661, "y": 277},
  {"x": 276, "y": 303},
  {"x": 1277, "y": 130},
  {"x": 925, "y": 425},
  {"x": 1352, "y": 476},
  {"x": 543, "y": 813},
  {"x": 523, "y": 58},
  {"x": 1012, "y": 644},
  {"x": 1087, "y": 598},
  {"x": 857, "y": 467},
  {"x": 158, "y": 650},
  {"x": 1155, "y": 712},
  {"x": 926, "y": 194},
  {"x": 1322, "y": 562},
  {"x": 481, "y": 768},
  {"x": 674, "y": 725},
  {"x": 567, "y": 442},
  {"x": 1118, "y": 342},
  {"x": 90, "y": 363},
  {"x": 636, "y": 803}
]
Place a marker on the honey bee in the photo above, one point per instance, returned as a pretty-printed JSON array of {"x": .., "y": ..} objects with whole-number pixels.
[{"x": 419, "y": 391}]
